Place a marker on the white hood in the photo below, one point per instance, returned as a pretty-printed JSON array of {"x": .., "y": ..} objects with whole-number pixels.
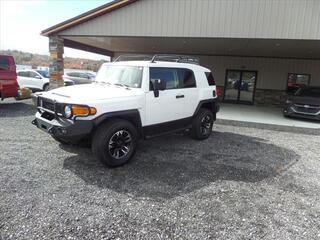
[{"x": 90, "y": 92}]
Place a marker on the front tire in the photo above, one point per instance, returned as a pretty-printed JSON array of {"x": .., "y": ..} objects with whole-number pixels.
[
  {"x": 114, "y": 142},
  {"x": 202, "y": 124},
  {"x": 46, "y": 87}
]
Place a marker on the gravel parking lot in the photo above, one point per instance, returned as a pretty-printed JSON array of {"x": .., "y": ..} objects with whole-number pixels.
[{"x": 242, "y": 183}]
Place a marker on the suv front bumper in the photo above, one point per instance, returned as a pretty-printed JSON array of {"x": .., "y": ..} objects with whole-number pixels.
[
  {"x": 290, "y": 111},
  {"x": 70, "y": 131}
]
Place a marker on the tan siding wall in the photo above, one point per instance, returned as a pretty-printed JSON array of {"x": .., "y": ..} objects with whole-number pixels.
[
  {"x": 272, "y": 72},
  {"x": 283, "y": 19}
]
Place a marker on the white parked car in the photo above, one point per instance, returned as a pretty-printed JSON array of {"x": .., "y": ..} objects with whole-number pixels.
[
  {"x": 36, "y": 80},
  {"x": 131, "y": 100}
]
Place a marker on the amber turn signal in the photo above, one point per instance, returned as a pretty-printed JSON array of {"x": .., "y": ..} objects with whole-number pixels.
[{"x": 83, "y": 110}]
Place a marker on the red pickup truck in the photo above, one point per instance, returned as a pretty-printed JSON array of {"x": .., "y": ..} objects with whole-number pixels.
[{"x": 8, "y": 77}]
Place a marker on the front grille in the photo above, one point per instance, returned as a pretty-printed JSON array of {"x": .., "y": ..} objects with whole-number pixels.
[
  {"x": 46, "y": 104},
  {"x": 50, "y": 106},
  {"x": 307, "y": 109}
]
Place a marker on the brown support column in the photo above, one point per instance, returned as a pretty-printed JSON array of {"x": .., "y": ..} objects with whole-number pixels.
[{"x": 56, "y": 62}]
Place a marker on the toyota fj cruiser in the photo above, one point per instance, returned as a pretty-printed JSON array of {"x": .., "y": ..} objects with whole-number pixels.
[{"x": 130, "y": 100}]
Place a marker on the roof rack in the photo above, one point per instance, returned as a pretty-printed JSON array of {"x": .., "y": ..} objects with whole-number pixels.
[
  {"x": 159, "y": 57},
  {"x": 133, "y": 57},
  {"x": 175, "y": 58}
]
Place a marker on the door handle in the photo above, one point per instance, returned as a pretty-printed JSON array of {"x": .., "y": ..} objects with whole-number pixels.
[{"x": 180, "y": 96}]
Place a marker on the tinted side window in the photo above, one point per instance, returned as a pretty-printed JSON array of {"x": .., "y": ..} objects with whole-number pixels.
[
  {"x": 4, "y": 64},
  {"x": 33, "y": 75},
  {"x": 73, "y": 74},
  {"x": 83, "y": 75},
  {"x": 169, "y": 75},
  {"x": 23, "y": 74},
  {"x": 187, "y": 79},
  {"x": 210, "y": 79}
]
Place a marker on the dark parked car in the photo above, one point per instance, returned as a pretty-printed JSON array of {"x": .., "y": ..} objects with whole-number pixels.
[
  {"x": 304, "y": 103},
  {"x": 80, "y": 77}
]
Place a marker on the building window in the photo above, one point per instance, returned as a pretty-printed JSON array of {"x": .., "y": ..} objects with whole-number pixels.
[{"x": 296, "y": 81}]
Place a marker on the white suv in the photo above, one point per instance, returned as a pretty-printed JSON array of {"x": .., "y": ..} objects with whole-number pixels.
[
  {"x": 130, "y": 100},
  {"x": 37, "y": 80}
]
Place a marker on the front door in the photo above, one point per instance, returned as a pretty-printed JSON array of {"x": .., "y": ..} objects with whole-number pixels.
[
  {"x": 240, "y": 86},
  {"x": 176, "y": 104}
]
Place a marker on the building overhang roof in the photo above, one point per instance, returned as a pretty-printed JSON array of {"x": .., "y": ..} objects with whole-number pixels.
[
  {"x": 129, "y": 31},
  {"x": 99, "y": 11}
]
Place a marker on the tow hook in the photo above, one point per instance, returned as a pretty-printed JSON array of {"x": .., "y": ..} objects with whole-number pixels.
[
  {"x": 50, "y": 130},
  {"x": 34, "y": 122}
]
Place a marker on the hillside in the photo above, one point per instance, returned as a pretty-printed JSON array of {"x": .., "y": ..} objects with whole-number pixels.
[{"x": 25, "y": 58}]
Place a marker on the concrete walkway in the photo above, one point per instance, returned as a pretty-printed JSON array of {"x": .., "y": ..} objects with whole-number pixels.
[{"x": 262, "y": 114}]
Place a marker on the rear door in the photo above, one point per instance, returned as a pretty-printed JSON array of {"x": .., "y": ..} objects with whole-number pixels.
[
  {"x": 175, "y": 103},
  {"x": 74, "y": 76},
  {"x": 23, "y": 78},
  {"x": 84, "y": 78},
  {"x": 35, "y": 80}
]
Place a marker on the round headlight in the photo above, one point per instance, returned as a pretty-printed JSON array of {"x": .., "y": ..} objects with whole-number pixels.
[{"x": 67, "y": 111}]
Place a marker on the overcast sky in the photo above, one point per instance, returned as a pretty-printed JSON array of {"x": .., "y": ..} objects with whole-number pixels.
[{"x": 21, "y": 22}]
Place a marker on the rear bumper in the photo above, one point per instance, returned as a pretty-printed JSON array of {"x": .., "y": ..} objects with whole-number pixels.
[
  {"x": 71, "y": 131},
  {"x": 8, "y": 92}
]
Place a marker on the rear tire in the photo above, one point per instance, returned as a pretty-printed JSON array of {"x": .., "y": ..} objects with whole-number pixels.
[
  {"x": 202, "y": 124},
  {"x": 114, "y": 142}
]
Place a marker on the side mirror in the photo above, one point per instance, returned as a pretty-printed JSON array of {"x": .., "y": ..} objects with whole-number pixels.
[
  {"x": 158, "y": 85},
  {"x": 38, "y": 77}
]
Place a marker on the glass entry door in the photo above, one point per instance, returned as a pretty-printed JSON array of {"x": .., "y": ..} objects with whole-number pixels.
[{"x": 240, "y": 86}]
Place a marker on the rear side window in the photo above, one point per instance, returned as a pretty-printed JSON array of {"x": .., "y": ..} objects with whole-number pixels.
[
  {"x": 4, "y": 64},
  {"x": 210, "y": 79},
  {"x": 187, "y": 79},
  {"x": 174, "y": 77}
]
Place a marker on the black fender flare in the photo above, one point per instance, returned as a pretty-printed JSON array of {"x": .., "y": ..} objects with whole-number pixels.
[
  {"x": 132, "y": 116},
  {"x": 210, "y": 104}
]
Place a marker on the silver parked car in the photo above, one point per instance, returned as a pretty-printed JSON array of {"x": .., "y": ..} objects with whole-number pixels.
[{"x": 80, "y": 77}]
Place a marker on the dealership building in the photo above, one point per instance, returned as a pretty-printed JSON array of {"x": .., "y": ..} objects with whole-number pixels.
[{"x": 258, "y": 50}]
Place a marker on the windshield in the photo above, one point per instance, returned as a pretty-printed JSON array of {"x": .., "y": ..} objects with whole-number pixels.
[
  {"x": 43, "y": 73},
  {"x": 128, "y": 76},
  {"x": 308, "y": 92}
]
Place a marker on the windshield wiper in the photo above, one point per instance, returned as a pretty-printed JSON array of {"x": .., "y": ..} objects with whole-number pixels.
[
  {"x": 121, "y": 85},
  {"x": 102, "y": 82}
]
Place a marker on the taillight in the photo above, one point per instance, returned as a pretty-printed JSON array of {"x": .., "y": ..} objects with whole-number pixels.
[{"x": 219, "y": 91}]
